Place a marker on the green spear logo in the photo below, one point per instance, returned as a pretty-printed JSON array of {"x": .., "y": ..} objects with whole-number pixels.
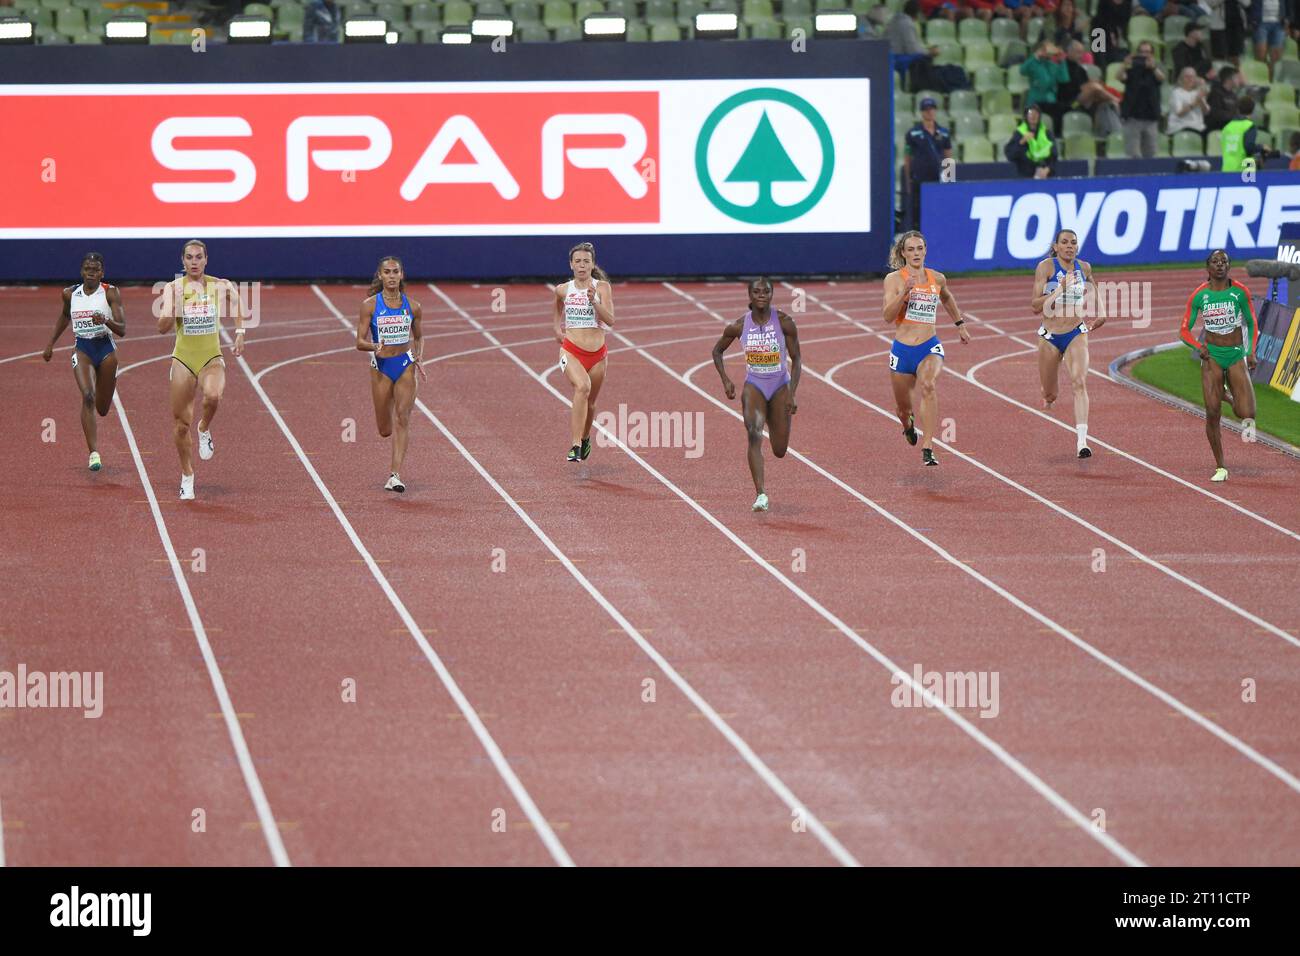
[{"x": 764, "y": 160}]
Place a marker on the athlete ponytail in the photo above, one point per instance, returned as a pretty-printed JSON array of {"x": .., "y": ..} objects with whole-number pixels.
[
  {"x": 896, "y": 260},
  {"x": 596, "y": 271},
  {"x": 377, "y": 283}
]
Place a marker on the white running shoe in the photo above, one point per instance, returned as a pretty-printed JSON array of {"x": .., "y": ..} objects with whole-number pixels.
[
  {"x": 760, "y": 503},
  {"x": 394, "y": 483},
  {"x": 187, "y": 487},
  {"x": 206, "y": 448}
]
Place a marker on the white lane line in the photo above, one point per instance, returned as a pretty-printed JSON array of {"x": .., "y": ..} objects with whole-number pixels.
[
  {"x": 1164, "y": 696},
  {"x": 265, "y": 817},
  {"x": 521, "y": 795},
  {"x": 2, "y": 835},
  {"x": 1016, "y": 767}
]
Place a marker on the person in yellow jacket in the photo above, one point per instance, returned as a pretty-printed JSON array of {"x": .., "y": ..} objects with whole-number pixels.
[
  {"x": 1238, "y": 139},
  {"x": 1031, "y": 147},
  {"x": 193, "y": 305}
]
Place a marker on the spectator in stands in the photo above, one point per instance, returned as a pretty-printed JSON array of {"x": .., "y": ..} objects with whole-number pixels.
[
  {"x": 1223, "y": 97},
  {"x": 927, "y": 146},
  {"x": 905, "y": 47},
  {"x": 1024, "y": 10},
  {"x": 1046, "y": 71},
  {"x": 1112, "y": 19},
  {"x": 1070, "y": 25},
  {"x": 1141, "y": 75},
  {"x": 320, "y": 22},
  {"x": 1270, "y": 34},
  {"x": 1188, "y": 103},
  {"x": 931, "y": 9},
  {"x": 1191, "y": 52},
  {"x": 1234, "y": 27},
  {"x": 1239, "y": 140},
  {"x": 1031, "y": 147},
  {"x": 1088, "y": 95},
  {"x": 1295, "y": 152},
  {"x": 1160, "y": 9}
]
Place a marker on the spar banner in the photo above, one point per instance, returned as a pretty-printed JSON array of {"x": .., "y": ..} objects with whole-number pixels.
[
  {"x": 1120, "y": 220},
  {"x": 1275, "y": 321}
]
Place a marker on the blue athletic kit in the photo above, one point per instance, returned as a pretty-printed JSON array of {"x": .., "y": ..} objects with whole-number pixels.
[
  {"x": 1073, "y": 298},
  {"x": 95, "y": 350},
  {"x": 391, "y": 326},
  {"x": 905, "y": 359}
]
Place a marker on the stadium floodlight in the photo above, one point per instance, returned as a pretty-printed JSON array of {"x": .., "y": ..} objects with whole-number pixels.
[
  {"x": 712, "y": 25},
  {"x": 489, "y": 28},
  {"x": 456, "y": 35},
  {"x": 17, "y": 30},
  {"x": 604, "y": 26},
  {"x": 365, "y": 30},
  {"x": 835, "y": 23},
  {"x": 126, "y": 30},
  {"x": 249, "y": 30}
]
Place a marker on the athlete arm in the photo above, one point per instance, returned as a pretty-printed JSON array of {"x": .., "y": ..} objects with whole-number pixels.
[
  {"x": 236, "y": 313},
  {"x": 116, "y": 321},
  {"x": 417, "y": 334},
  {"x": 895, "y": 297},
  {"x": 729, "y": 335},
  {"x": 1189, "y": 319},
  {"x": 604, "y": 304},
  {"x": 168, "y": 307},
  {"x": 364, "y": 344},
  {"x": 558, "y": 313},
  {"x": 796, "y": 358},
  {"x": 1090, "y": 288},
  {"x": 1038, "y": 304},
  {"x": 61, "y": 323},
  {"x": 1253, "y": 327},
  {"x": 950, "y": 304}
]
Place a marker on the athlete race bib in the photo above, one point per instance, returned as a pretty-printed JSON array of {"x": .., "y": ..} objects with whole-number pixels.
[
  {"x": 1220, "y": 317},
  {"x": 199, "y": 317},
  {"x": 922, "y": 306},
  {"x": 83, "y": 324},
  {"x": 394, "y": 329}
]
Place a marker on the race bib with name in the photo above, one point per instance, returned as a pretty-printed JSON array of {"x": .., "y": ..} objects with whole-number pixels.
[
  {"x": 84, "y": 327},
  {"x": 394, "y": 328},
  {"x": 922, "y": 306},
  {"x": 199, "y": 315},
  {"x": 1220, "y": 317}
]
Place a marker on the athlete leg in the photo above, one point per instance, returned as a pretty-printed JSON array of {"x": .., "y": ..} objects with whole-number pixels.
[
  {"x": 212, "y": 382},
  {"x": 754, "y": 407},
  {"x": 927, "y": 373},
  {"x": 183, "y": 385},
  {"x": 105, "y": 383},
  {"x": 1049, "y": 369},
  {"x": 404, "y": 390},
  {"x": 1076, "y": 363},
  {"x": 84, "y": 373},
  {"x": 1212, "y": 388},
  {"x": 581, "y": 382},
  {"x": 903, "y": 385},
  {"x": 1243, "y": 392},
  {"x": 381, "y": 392},
  {"x": 597, "y": 376},
  {"x": 778, "y": 421}
]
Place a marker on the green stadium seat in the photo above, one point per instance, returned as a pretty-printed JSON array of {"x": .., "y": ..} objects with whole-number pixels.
[
  {"x": 1076, "y": 123},
  {"x": 977, "y": 151},
  {"x": 1013, "y": 53},
  {"x": 973, "y": 29},
  {"x": 556, "y": 14},
  {"x": 686, "y": 10},
  {"x": 88, "y": 39},
  {"x": 979, "y": 53},
  {"x": 723, "y": 6},
  {"x": 54, "y": 4},
  {"x": 990, "y": 78},
  {"x": 532, "y": 32},
  {"x": 625, "y": 8},
  {"x": 1255, "y": 72},
  {"x": 1003, "y": 30},
  {"x": 904, "y": 102},
  {"x": 1163, "y": 146},
  {"x": 490, "y": 8},
  {"x": 186, "y": 37},
  {"x": 70, "y": 21},
  {"x": 1264, "y": 138},
  {"x": 902, "y": 123},
  {"x": 52, "y": 38},
  {"x": 1283, "y": 117},
  {"x": 1017, "y": 82},
  {"x": 1188, "y": 142},
  {"x": 530, "y": 11},
  {"x": 950, "y": 54},
  {"x": 355, "y": 8},
  {"x": 1279, "y": 96},
  {"x": 964, "y": 101},
  {"x": 637, "y": 31},
  {"x": 759, "y": 11},
  {"x": 259, "y": 10},
  {"x": 660, "y": 11},
  {"x": 422, "y": 16},
  {"x": 1287, "y": 72},
  {"x": 1213, "y": 143},
  {"x": 1142, "y": 28},
  {"x": 1001, "y": 127},
  {"x": 566, "y": 33},
  {"x": 1093, "y": 71},
  {"x": 661, "y": 31},
  {"x": 394, "y": 13},
  {"x": 1034, "y": 31},
  {"x": 43, "y": 18},
  {"x": 290, "y": 15},
  {"x": 766, "y": 30},
  {"x": 457, "y": 13},
  {"x": 940, "y": 31},
  {"x": 791, "y": 9},
  {"x": 969, "y": 126},
  {"x": 1172, "y": 31},
  {"x": 1079, "y": 147},
  {"x": 1112, "y": 76},
  {"x": 1115, "y": 146},
  {"x": 996, "y": 102},
  {"x": 585, "y": 8}
]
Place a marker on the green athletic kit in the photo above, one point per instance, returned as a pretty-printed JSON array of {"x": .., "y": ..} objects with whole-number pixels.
[{"x": 1221, "y": 312}]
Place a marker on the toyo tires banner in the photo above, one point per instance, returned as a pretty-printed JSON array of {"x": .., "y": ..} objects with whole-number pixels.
[
  {"x": 1120, "y": 220},
  {"x": 684, "y": 176}
]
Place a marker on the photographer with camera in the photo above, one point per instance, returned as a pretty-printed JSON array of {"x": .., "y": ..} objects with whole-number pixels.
[{"x": 1141, "y": 75}]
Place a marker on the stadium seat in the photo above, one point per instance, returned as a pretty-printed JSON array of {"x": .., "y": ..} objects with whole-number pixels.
[
  {"x": 1093, "y": 71},
  {"x": 1255, "y": 72},
  {"x": 940, "y": 31},
  {"x": 791, "y": 9},
  {"x": 259, "y": 10},
  {"x": 422, "y": 16},
  {"x": 1079, "y": 147},
  {"x": 490, "y": 8},
  {"x": 798, "y": 23},
  {"x": 625, "y": 8},
  {"x": 585, "y": 8},
  {"x": 964, "y": 101},
  {"x": 186, "y": 37},
  {"x": 555, "y": 14},
  {"x": 457, "y": 13},
  {"x": 637, "y": 31},
  {"x": 1172, "y": 31},
  {"x": 902, "y": 123},
  {"x": 1003, "y": 30},
  {"x": 904, "y": 102},
  {"x": 394, "y": 13},
  {"x": 1017, "y": 82},
  {"x": 1112, "y": 76},
  {"x": 88, "y": 39},
  {"x": 1187, "y": 142},
  {"x": 1142, "y": 28},
  {"x": 1163, "y": 145},
  {"x": 1034, "y": 31},
  {"x": 1001, "y": 127},
  {"x": 979, "y": 53},
  {"x": 1213, "y": 143},
  {"x": 1287, "y": 73},
  {"x": 1076, "y": 123},
  {"x": 661, "y": 31},
  {"x": 995, "y": 103},
  {"x": 1264, "y": 138},
  {"x": 43, "y": 18},
  {"x": 1014, "y": 52},
  {"x": 70, "y": 21},
  {"x": 723, "y": 6},
  {"x": 533, "y": 31},
  {"x": 759, "y": 11},
  {"x": 973, "y": 29},
  {"x": 950, "y": 54},
  {"x": 1279, "y": 96},
  {"x": 1115, "y": 146},
  {"x": 686, "y": 10},
  {"x": 660, "y": 11},
  {"x": 990, "y": 78},
  {"x": 765, "y": 30},
  {"x": 1283, "y": 117},
  {"x": 969, "y": 126},
  {"x": 289, "y": 17},
  {"x": 978, "y": 151},
  {"x": 566, "y": 33}
]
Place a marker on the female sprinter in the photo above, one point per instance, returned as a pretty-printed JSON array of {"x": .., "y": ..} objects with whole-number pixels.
[
  {"x": 390, "y": 323},
  {"x": 95, "y": 310},
  {"x": 912, "y": 297},
  {"x": 193, "y": 305},
  {"x": 582, "y": 305},
  {"x": 1223, "y": 305},
  {"x": 1061, "y": 287},
  {"x": 767, "y": 398}
]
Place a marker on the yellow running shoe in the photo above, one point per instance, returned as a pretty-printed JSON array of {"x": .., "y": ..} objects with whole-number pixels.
[{"x": 1220, "y": 474}]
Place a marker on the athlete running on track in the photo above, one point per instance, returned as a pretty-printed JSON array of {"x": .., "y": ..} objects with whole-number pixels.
[{"x": 582, "y": 305}]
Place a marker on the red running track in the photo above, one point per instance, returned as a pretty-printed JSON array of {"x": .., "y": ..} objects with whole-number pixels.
[{"x": 619, "y": 663}]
